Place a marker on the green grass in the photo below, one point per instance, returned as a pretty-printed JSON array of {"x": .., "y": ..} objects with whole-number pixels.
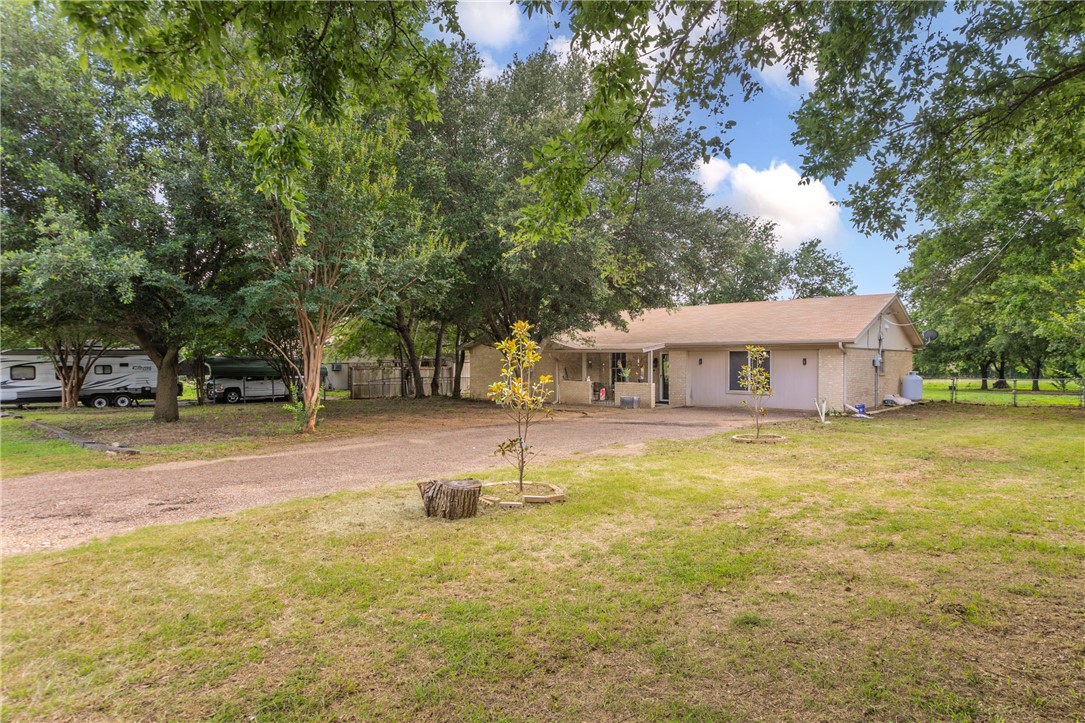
[
  {"x": 969, "y": 392},
  {"x": 924, "y": 565}
]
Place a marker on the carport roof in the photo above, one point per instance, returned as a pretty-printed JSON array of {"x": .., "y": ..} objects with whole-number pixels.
[{"x": 824, "y": 320}]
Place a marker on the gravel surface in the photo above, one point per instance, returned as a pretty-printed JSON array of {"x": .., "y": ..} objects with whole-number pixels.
[{"x": 57, "y": 510}]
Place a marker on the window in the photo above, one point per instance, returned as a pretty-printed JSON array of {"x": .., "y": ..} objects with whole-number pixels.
[
  {"x": 124, "y": 364},
  {"x": 23, "y": 372},
  {"x": 617, "y": 364},
  {"x": 103, "y": 368},
  {"x": 737, "y": 360}
]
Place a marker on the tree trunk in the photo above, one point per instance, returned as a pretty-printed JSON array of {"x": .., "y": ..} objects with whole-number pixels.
[
  {"x": 457, "y": 374},
  {"x": 450, "y": 500},
  {"x": 435, "y": 382},
  {"x": 1036, "y": 369},
  {"x": 201, "y": 379},
  {"x": 402, "y": 327},
  {"x": 1000, "y": 367},
  {"x": 165, "y": 396},
  {"x": 985, "y": 368},
  {"x": 312, "y": 355}
]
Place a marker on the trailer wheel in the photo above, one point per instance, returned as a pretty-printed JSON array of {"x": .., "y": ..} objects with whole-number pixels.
[
  {"x": 99, "y": 401},
  {"x": 232, "y": 396},
  {"x": 122, "y": 400}
]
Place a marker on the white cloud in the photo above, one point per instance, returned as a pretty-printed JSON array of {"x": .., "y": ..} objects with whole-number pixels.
[
  {"x": 491, "y": 24},
  {"x": 713, "y": 173},
  {"x": 490, "y": 70},
  {"x": 800, "y": 212},
  {"x": 561, "y": 46}
]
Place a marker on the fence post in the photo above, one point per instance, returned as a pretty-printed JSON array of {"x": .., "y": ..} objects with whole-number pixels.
[
  {"x": 1014, "y": 392},
  {"x": 953, "y": 390}
]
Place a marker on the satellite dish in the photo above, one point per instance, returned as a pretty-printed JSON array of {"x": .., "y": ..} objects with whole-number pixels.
[{"x": 929, "y": 335}]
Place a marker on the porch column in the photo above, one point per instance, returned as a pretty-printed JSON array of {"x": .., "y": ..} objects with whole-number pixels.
[
  {"x": 651, "y": 363},
  {"x": 583, "y": 365}
]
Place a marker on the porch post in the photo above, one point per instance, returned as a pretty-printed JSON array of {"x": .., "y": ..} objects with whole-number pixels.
[
  {"x": 651, "y": 363},
  {"x": 583, "y": 365}
]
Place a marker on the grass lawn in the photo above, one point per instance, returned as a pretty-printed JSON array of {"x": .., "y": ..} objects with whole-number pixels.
[
  {"x": 969, "y": 392},
  {"x": 928, "y": 564},
  {"x": 217, "y": 430}
]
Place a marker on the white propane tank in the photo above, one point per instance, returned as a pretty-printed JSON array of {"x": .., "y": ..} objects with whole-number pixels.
[{"x": 911, "y": 387}]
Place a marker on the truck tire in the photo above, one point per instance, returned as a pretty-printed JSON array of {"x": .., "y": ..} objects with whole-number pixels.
[
  {"x": 99, "y": 401},
  {"x": 232, "y": 396},
  {"x": 122, "y": 400}
]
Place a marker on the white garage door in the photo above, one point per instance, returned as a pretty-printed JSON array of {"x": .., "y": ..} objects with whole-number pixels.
[{"x": 794, "y": 384}]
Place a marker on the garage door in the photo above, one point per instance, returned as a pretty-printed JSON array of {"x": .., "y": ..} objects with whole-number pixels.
[{"x": 794, "y": 383}]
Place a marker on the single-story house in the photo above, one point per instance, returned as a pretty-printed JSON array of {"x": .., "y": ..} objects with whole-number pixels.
[{"x": 844, "y": 349}]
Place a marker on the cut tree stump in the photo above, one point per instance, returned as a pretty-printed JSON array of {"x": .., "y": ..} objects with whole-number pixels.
[{"x": 450, "y": 499}]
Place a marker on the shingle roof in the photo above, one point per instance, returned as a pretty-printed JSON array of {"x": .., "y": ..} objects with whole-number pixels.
[{"x": 825, "y": 320}]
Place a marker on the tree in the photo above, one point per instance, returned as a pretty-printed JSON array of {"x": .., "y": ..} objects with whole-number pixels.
[
  {"x": 896, "y": 88},
  {"x": 53, "y": 293},
  {"x": 324, "y": 61},
  {"x": 518, "y": 394},
  {"x": 816, "y": 272},
  {"x": 366, "y": 245},
  {"x": 153, "y": 180},
  {"x": 984, "y": 271},
  {"x": 755, "y": 379}
]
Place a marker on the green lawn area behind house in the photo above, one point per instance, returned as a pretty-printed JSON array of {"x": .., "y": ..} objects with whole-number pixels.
[{"x": 924, "y": 565}]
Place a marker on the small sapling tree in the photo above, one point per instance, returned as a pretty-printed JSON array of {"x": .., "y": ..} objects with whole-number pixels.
[
  {"x": 523, "y": 399},
  {"x": 754, "y": 378}
]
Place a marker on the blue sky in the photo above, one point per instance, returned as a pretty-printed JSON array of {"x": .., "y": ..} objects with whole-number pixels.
[{"x": 760, "y": 178}]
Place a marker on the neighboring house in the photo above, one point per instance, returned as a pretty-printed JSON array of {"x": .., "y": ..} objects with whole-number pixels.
[{"x": 845, "y": 349}]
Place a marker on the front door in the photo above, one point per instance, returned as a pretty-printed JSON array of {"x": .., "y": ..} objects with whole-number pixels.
[{"x": 664, "y": 378}]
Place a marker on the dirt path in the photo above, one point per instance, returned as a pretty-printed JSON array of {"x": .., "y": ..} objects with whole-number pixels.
[{"x": 48, "y": 511}]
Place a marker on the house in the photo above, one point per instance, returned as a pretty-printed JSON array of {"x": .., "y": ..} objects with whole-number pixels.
[{"x": 845, "y": 349}]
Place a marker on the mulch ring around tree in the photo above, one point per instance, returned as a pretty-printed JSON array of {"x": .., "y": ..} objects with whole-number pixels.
[
  {"x": 508, "y": 494},
  {"x": 763, "y": 439}
]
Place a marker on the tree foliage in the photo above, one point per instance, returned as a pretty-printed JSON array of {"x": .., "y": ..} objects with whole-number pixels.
[{"x": 519, "y": 394}]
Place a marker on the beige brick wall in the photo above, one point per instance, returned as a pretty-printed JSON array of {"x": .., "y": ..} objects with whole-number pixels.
[
  {"x": 860, "y": 375},
  {"x": 646, "y": 392},
  {"x": 575, "y": 392},
  {"x": 679, "y": 370}
]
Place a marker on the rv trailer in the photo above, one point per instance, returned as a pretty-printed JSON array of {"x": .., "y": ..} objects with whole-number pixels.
[{"x": 119, "y": 378}]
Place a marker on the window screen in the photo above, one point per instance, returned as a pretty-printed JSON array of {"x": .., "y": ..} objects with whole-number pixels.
[
  {"x": 737, "y": 360},
  {"x": 103, "y": 368},
  {"x": 23, "y": 372}
]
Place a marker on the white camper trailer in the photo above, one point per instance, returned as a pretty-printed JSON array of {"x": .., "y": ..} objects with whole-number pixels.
[{"x": 119, "y": 378}]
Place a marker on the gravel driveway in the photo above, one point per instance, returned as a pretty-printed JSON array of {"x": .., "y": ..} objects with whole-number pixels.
[{"x": 56, "y": 510}]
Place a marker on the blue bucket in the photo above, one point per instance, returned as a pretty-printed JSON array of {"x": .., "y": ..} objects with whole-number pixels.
[{"x": 860, "y": 408}]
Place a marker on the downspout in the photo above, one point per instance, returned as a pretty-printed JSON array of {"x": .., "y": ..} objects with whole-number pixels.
[{"x": 844, "y": 356}]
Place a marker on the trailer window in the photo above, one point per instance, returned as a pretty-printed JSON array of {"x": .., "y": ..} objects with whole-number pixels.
[
  {"x": 103, "y": 368},
  {"x": 23, "y": 372}
]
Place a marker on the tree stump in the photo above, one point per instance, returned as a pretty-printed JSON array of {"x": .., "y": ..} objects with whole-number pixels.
[{"x": 452, "y": 500}]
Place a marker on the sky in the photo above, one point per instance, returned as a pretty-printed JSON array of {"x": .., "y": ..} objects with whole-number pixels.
[{"x": 760, "y": 178}]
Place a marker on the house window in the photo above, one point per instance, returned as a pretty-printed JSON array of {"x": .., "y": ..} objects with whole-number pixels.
[
  {"x": 23, "y": 372},
  {"x": 737, "y": 360},
  {"x": 617, "y": 364},
  {"x": 103, "y": 368}
]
